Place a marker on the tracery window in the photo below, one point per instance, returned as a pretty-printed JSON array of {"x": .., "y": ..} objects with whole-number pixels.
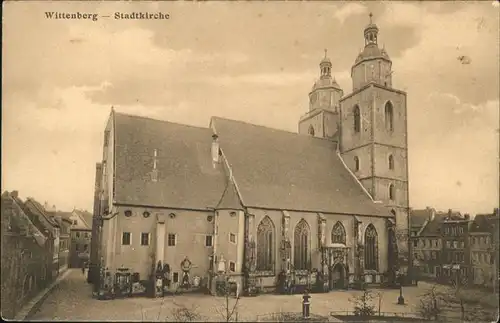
[
  {"x": 338, "y": 233},
  {"x": 265, "y": 244},
  {"x": 371, "y": 251},
  {"x": 301, "y": 246}
]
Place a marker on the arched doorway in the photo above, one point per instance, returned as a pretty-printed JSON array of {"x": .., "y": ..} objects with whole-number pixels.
[{"x": 337, "y": 277}]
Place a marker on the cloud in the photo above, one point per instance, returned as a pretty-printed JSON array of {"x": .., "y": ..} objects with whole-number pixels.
[
  {"x": 348, "y": 10},
  {"x": 263, "y": 79}
]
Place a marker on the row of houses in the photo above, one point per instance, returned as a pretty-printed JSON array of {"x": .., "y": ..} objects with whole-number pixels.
[
  {"x": 38, "y": 244},
  {"x": 448, "y": 245}
]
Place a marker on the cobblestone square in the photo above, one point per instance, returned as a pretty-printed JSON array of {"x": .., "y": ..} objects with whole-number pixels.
[{"x": 72, "y": 300}]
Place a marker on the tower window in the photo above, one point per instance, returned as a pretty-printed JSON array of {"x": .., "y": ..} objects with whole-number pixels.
[
  {"x": 356, "y": 163},
  {"x": 357, "y": 119},
  {"x": 391, "y": 192},
  {"x": 311, "y": 130},
  {"x": 391, "y": 162},
  {"x": 389, "y": 116}
]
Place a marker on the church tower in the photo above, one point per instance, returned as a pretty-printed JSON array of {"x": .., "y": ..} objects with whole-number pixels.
[
  {"x": 373, "y": 138},
  {"x": 322, "y": 120}
]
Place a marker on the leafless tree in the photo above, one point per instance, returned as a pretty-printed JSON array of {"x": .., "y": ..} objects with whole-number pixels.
[
  {"x": 228, "y": 311},
  {"x": 429, "y": 307},
  {"x": 474, "y": 305}
]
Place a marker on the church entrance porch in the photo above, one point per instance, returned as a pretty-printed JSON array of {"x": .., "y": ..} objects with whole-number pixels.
[
  {"x": 337, "y": 277},
  {"x": 335, "y": 269}
]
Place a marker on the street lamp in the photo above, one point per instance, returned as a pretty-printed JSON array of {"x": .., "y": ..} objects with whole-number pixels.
[{"x": 401, "y": 299}]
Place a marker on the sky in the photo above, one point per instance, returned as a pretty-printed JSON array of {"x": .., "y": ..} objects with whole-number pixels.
[{"x": 254, "y": 62}]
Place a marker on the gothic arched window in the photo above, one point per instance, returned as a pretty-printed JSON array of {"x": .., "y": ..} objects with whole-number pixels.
[
  {"x": 357, "y": 119},
  {"x": 265, "y": 244},
  {"x": 391, "y": 162},
  {"x": 356, "y": 163},
  {"x": 371, "y": 251},
  {"x": 338, "y": 233},
  {"x": 301, "y": 246},
  {"x": 391, "y": 192},
  {"x": 311, "y": 130},
  {"x": 389, "y": 116}
]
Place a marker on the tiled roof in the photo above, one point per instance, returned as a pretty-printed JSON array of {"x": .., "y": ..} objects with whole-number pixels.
[
  {"x": 62, "y": 214},
  {"x": 39, "y": 210},
  {"x": 418, "y": 217},
  {"x": 186, "y": 176},
  {"x": 230, "y": 199},
  {"x": 432, "y": 228},
  {"x": 87, "y": 216},
  {"x": 22, "y": 221},
  {"x": 278, "y": 169},
  {"x": 483, "y": 223}
]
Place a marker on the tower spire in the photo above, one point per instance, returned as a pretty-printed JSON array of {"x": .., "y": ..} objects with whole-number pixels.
[
  {"x": 326, "y": 52},
  {"x": 371, "y": 32}
]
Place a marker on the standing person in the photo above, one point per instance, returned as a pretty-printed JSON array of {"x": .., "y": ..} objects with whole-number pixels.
[{"x": 83, "y": 267}]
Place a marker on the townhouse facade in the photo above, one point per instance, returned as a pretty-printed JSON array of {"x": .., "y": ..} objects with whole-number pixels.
[{"x": 26, "y": 257}]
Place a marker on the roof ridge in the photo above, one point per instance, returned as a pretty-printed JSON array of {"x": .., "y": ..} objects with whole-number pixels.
[
  {"x": 267, "y": 127},
  {"x": 41, "y": 210},
  {"x": 157, "y": 120}
]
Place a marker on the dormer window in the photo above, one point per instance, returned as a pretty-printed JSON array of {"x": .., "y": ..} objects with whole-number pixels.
[{"x": 154, "y": 172}]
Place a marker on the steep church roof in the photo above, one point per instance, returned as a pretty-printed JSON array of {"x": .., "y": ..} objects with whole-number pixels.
[
  {"x": 186, "y": 176},
  {"x": 278, "y": 169},
  {"x": 271, "y": 168}
]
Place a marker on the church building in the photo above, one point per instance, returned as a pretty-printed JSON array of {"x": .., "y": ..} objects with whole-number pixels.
[{"x": 328, "y": 204}]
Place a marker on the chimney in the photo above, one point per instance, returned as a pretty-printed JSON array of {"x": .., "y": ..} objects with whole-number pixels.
[
  {"x": 449, "y": 213},
  {"x": 433, "y": 213},
  {"x": 215, "y": 149},
  {"x": 496, "y": 211},
  {"x": 15, "y": 194}
]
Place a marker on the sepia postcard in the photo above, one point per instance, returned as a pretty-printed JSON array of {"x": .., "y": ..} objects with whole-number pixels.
[{"x": 250, "y": 161}]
